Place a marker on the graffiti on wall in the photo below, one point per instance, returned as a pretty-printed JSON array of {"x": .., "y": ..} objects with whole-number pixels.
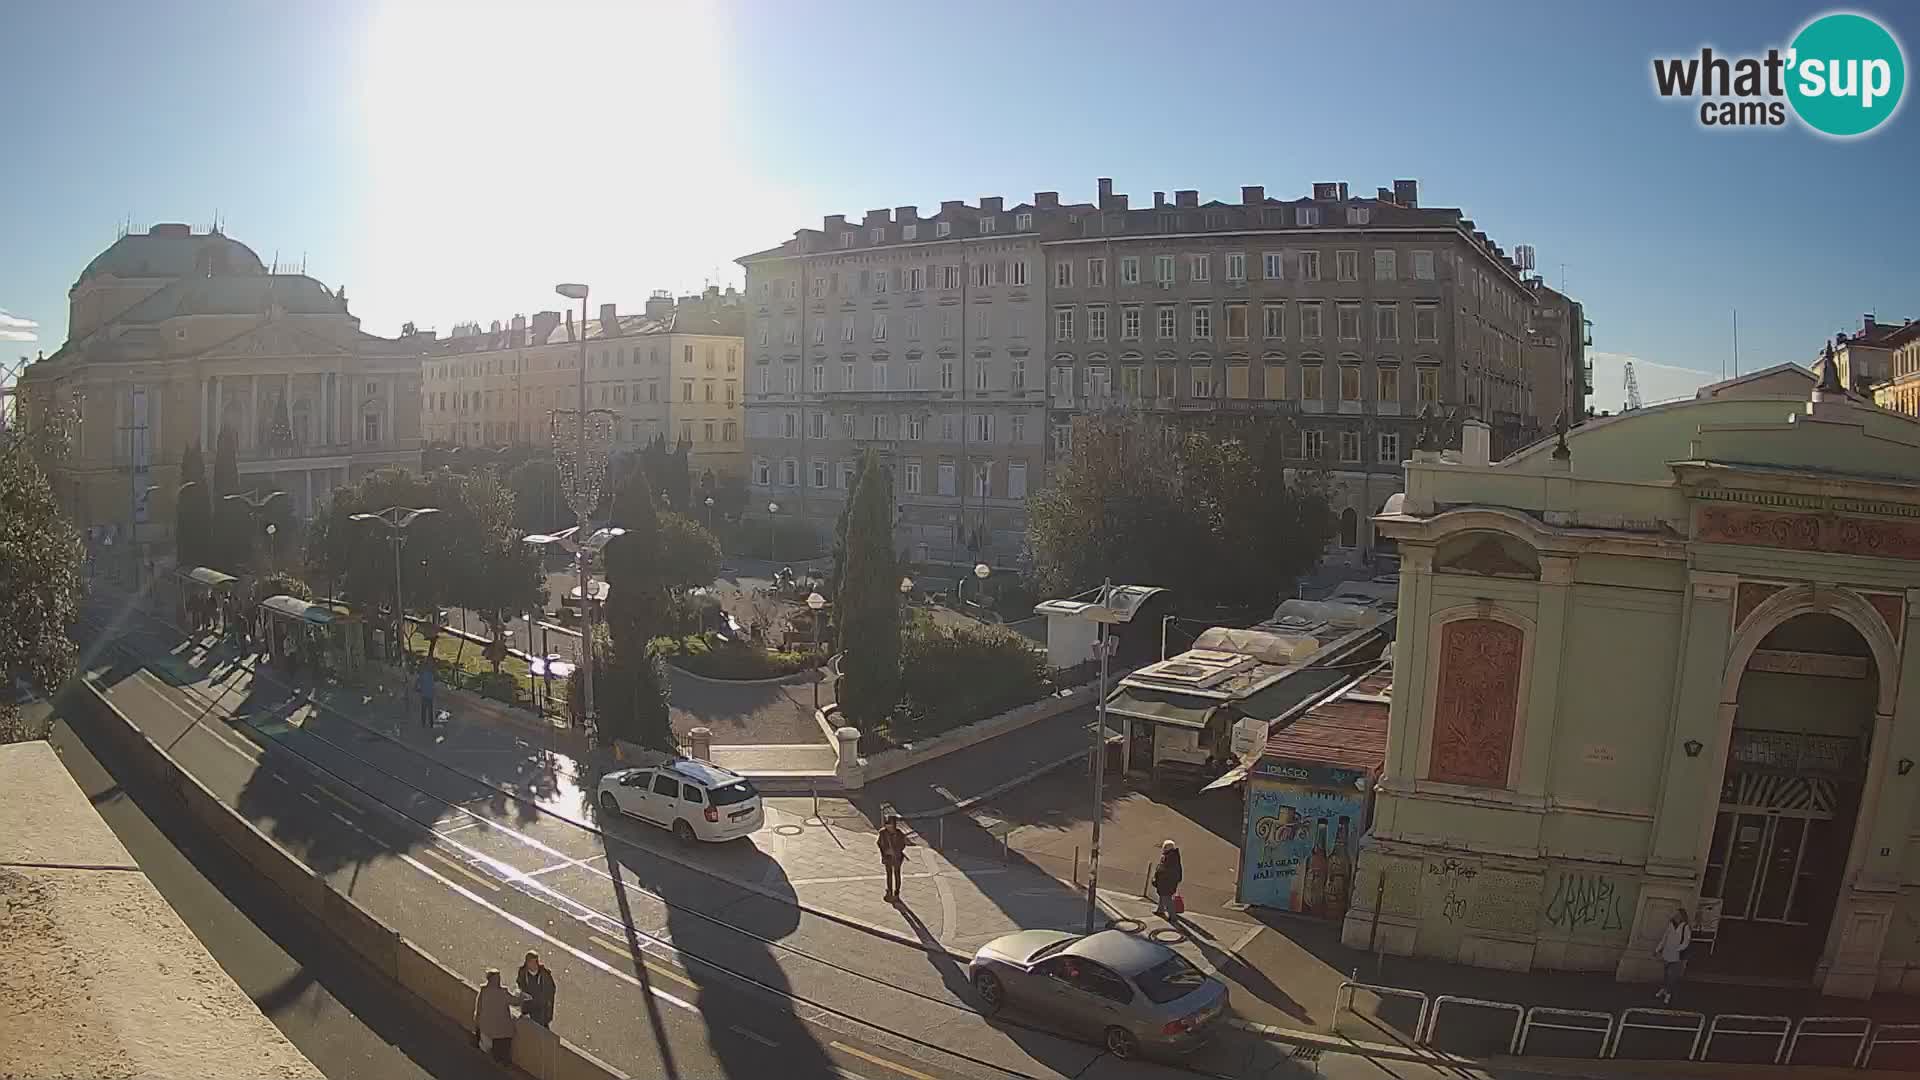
[
  {"x": 1447, "y": 889},
  {"x": 1588, "y": 903}
]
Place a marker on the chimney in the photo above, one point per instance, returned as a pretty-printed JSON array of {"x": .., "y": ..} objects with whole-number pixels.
[
  {"x": 949, "y": 206},
  {"x": 989, "y": 204},
  {"x": 609, "y": 321},
  {"x": 1186, "y": 198},
  {"x": 1343, "y": 191},
  {"x": 1253, "y": 193},
  {"x": 1383, "y": 194},
  {"x": 1106, "y": 191},
  {"x": 878, "y": 217},
  {"x": 906, "y": 215},
  {"x": 1867, "y": 325},
  {"x": 1474, "y": 443},
  {"x": 1407, "y": 193},
  {"x": 1159, "y": 200},
  {"x": 1046, "y": 200},
  {"x": 712, "y": 293},
  {"x": 834, "y": 221},
  {"x": 519, "y": 326},
  {"x": 659, "y": 304},
  {"x": 1119, "y": 202},
  {"x": 544, "y": 323}
]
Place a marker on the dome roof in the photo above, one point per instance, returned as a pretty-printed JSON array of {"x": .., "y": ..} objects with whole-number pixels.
[{"x": 174, "y": 251}]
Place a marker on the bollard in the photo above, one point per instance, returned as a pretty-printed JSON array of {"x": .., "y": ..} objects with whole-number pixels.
[{"x": 700, "y": 743}]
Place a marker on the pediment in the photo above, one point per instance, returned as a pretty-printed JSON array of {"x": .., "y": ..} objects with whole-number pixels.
[{"x": 275, "y": 338}]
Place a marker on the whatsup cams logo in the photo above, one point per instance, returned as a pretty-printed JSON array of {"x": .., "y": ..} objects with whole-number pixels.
[{"x": 1843, "y": 75}]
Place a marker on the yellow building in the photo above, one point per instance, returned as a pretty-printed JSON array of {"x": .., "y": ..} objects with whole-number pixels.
[
  {"x": 1900, "y": 391},
  {"x": 174, "y": 335},
  {"x": 675, "y": 370}
]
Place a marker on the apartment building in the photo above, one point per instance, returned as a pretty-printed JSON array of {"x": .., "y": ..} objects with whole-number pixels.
[
  {"x": 1558, "y": 335},
  {"x": 674, "y": 370},
  {"x": 921, "y": 338},
  {"x": 1898, "y": 388},
  {"x": 1340, "y": 317}
]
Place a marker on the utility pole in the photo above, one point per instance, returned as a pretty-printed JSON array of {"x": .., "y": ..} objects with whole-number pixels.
[
  {"x": 1099, "y": 761},
  {"x": 137, "y": 491}
]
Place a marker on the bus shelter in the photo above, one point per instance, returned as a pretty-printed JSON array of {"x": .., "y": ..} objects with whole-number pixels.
[
  {"x": 299, "y": 634},
  {"x": 201, "y": 592}
]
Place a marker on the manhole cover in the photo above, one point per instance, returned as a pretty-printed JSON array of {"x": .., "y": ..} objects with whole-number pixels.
[
  {"x": 1166, "y": 935},
  {"x": 788, "y": 830},
  {"x": 1126, "y": 926}
]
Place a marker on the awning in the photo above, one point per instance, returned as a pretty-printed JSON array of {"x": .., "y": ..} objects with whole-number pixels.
[
  {"x": 295, "y": 608},
  {"x": 205, "y": 576},
  {"x": 1230, "y": 777},
  {"x": 1162, "y": 707}
]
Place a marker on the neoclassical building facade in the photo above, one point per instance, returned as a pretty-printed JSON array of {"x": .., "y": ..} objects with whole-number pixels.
[
  {"x": 1669, "y": 660},
  {"x": 174, "y": 335}
]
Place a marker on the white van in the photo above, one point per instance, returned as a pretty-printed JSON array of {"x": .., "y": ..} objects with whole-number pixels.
[{"x": 697, "y": 800}]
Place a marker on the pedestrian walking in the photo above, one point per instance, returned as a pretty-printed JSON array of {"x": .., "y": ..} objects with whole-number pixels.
[
  {"x": 1166, "y": 879},
  {"x": 893, "y": 852},
  {"x": 537, "y": 990},
  {"x": 1675, "y": 940},
  {"x": 423, "y": 685},
  {"x": 493, "y": 1018}
]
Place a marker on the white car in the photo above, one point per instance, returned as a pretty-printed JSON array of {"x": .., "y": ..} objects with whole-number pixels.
[{"x": 697, "y": 800}]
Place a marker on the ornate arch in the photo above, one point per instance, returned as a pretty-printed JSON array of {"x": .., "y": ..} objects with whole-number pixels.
[{"x": 1807, "y": 599}]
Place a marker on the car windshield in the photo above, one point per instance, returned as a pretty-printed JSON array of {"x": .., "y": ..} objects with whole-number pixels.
[
  {"x": 1170, "y": 980},
  {"x": 736, "y": 792},
  {"x": 1049, "y": 950}
]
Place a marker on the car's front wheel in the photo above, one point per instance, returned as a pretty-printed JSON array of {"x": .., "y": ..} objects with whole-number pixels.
[
  {"x": 608, "y": 804},
  {"x": 1122, "y": 1044},
  {"x": 992, "y": 992}
]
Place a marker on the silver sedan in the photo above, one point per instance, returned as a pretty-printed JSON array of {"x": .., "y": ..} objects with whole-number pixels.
[{"x": 1131, "y": 994}]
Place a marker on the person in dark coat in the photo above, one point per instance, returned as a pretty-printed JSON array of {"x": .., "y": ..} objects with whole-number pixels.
[
  {"x": 537, "y": 990},
  {"x": 892, "y": 843},
  {"x": 1166, "y": 878}
]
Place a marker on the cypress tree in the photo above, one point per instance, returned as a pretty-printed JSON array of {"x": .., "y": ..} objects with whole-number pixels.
[{"x": 867, "y": 603}]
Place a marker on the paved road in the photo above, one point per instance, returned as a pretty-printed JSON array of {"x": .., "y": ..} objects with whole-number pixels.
[
  {"x": 663, "y": 970},
  {"x": 292, "y": 973}
]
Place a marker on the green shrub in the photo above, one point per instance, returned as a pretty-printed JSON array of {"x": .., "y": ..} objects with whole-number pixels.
[
  {"x": 956, "y": 676},
  {"x": 500, "y": 686},
  {"x": 724, "y": 658}
]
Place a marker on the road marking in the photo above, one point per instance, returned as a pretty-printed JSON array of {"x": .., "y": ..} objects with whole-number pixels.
[
  {"x": 464, "y": 825},
  {"x": 344, "y": 820},
  {"x": 880, "y": 1061},
  {"x": 626, "y": 953},
  {"x": 308, "y": 795},
  {"x": 459, "y": 869},
  {"x": 338, "y": 799},
  {"x": 545, "y": 869},
  {"x": 754, "y": 1035}
]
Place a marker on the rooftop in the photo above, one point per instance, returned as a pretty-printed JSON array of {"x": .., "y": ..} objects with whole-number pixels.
[
  {"x": 1347, "y": 730},
  {"x": 173, "y": 250}
]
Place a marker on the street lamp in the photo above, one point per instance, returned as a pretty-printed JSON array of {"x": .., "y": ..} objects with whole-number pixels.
[
  {"x": 140, "y": 501},
  {"x": 396, "y": 519},
  {"x": 255, "y": 503},
  {"x": 583, "y": 550},
  {"x": 906, "y": 594},
  {"x": 709, "y": 513},
  {"x": 1104, "y": 613},
  {"x": 981, "y": 570},
  {"x": 772, "y": 509},
  {"x": 816, "y": 603}
]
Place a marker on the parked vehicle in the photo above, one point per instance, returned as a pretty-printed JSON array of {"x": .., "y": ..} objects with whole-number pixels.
[
  {"x": 1134, "y": 995},
  {"x": 696, "y": 800}
]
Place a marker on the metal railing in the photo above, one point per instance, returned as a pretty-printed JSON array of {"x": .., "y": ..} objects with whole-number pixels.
[
  {"x": 1697, "y": 1028},
  {"x": 1903, "y": 1035},
  {"x": 1800, "y": 1031},
  {"x": 1343, "y": 1002},
  {"x": 1566, "y": 1020},
  {"x": 1425, "y": 1038},
  {"x": 1752, "y": 1026}
]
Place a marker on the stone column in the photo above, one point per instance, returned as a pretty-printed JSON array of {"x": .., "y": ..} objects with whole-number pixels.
[
  {"x": 1542, "y": 707},
  {"x": 251, "y": 437},
  {"x": 850, "y": 771},
  {"x": 700, "y": 744}
]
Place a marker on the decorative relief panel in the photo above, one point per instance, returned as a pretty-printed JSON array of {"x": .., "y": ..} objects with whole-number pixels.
[
  {"x": 1826, "y": 533},
  {"x": 1477, "y": 702},
  {"x": 1752, "y": 595},
  {"x": 1891, "y": 608}
]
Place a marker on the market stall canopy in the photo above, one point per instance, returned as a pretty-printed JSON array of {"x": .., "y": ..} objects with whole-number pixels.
[
  {"x": 206, "y": 576},
  {"x": 295, "y": 608}
]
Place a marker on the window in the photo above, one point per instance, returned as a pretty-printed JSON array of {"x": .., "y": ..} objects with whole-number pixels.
[
  {"x": 948, "y": 320},
  {"x": 983, "y": 480},
  {"x": 817, "y": 381},
  {"x": 1016, "y": 479},
  {"x": 1203, "y": 322},
  {"x": 943, "y": 228},
  {"x": 1310, "y": 322},
  {"x": 1270, "y": 266},
  {"x": 1168, "y": 323},
  {"x": 983, "y": 275},
  {"x": 1389, "y": 383},
  {"x": 1097, "y": 323},
  {"x": 909, "y": 232},
  {"x": 1390, "y": 447},
  {"x": 816, "y": 425},
  {"x": 949, "y": 427},
  {"x": 846, "y": 425},
  {"x": 371, "y": 430},
  {"x": 1063, "y": 274},
  {"x": 1274, "y": 374},
  {"x": 949, "y": 276},
  {"x": 880, "y": 326},
  {"x": 1200, "y": 268},
  {"x": 1017, "y": 428},
  {"x": 762, "y": 472},
  {"x": 982, "y": 374},
  {"x": 988, "y": 224},
  {"x": 983, "y": 323},
  {"x": 1428, "y": 385},
  {"x": 1349, "y": 382},
  {"x": 1023, "y": 221},
  {"x": 913, "y": 478},
  {"x": 1313, "y": 444},
  {"x": 846, "y": 331},
  {"x": 916, "y": 276},
  {"x": 1383, "y": 268},
  {"x": 1423, "y": 266},
  {"x": 1017, "y": 272},
  {"x": 1386, "y": 322},
  {"x": 983, "y": 427},
  {"x": 1096, "y": 273},
  {"x": 946, "y": 478},
  {"x": 881, "y": 279},
  {"x": 1236, "y": 266},
  {"x": 1063, "y": 324},
  {"x": 1347, "y": 321},
  {"x": 1349, "y": 446},
  {"x": 1358, "y": 215},
  {"x": 707, "y": 389},
  {"x": 882, "y": 427},
  {"x": 1236, "y": 322},
  {"x": 913, "y": 427},
  {"x": 1309, "y": 266},
  {"x": 1163, "y": 269},
  {"x": 1310, "y": 389},
  {"x": 790, "y": 425},
  {"x": 766, "y": 384},
  {"x": 729, "y": 393},
  {"x": 846, "y": 239},
  {"x": 1347, "y": 265},
  {"x": 819, "y": 472},
  {"x": 1098, "y": 383},
  {"x": 1130, "y": 323},
  {"x": 1307, "y": 215},
  {"x": 1062, "y": 438},
  {"x": 790, "y": 333},
  {"x": 879, "y": 374},
  {"x": 846, "y": 375},
  {"x": 1130, "y": 270},
  {"x": 1203, "y": 381},
  {"x": 1274, "y": 317},
  {"x": 790, "y": 472},
  {"x": 1017, "y": 376},
  {"x": 729, "y": 432},
  {"x": 843, "y": 476},
  {"x": 1426, "y": 322},
  {"x": 946, "y": 375}
]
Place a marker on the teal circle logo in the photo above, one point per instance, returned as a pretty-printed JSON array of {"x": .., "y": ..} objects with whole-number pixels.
[{"x": 1846, "y": 74}]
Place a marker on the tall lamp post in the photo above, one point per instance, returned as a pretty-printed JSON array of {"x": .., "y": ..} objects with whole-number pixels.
[
  {"x": 981, "y": 571},
  {"x": 256, "y": 505},
  {"x": 140, "y": 501},
  {"x": 817, "y": 604},
  {"x": 583, "y": 470},
  {"x": 1104, "y": 614},
  {"x": 396, "y": 520},
  {"x": 709, "y": 513},
  {"x": 773, "y": 508}
]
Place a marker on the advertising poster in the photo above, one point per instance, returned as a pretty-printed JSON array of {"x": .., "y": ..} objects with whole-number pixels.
[{"x": 1299, "y": 850}]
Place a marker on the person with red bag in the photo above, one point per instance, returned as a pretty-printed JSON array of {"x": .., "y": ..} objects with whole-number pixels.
[{"x": 1166, "y": 880}]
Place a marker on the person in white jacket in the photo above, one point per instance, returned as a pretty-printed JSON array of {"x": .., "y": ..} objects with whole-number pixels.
[{"x": 1672, "y": 952}]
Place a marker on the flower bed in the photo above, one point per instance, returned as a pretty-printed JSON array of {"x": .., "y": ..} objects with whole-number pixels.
[{"x": 714, "y": 657}]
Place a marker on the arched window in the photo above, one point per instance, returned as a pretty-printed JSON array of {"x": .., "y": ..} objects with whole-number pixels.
[{"x": 1349, "y": 528}]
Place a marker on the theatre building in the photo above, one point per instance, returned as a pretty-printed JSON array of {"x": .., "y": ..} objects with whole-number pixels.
[{"x": 1667, "y": 660}]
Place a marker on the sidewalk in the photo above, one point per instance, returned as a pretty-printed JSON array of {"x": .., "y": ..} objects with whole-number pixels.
[{"x": 966, "y": 777}]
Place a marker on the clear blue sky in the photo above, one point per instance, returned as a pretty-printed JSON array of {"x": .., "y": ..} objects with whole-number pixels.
[{"x": 450, "y": 161}]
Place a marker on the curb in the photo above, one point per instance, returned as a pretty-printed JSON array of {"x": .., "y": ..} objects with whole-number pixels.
[{"x": 797, "y": 678}]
